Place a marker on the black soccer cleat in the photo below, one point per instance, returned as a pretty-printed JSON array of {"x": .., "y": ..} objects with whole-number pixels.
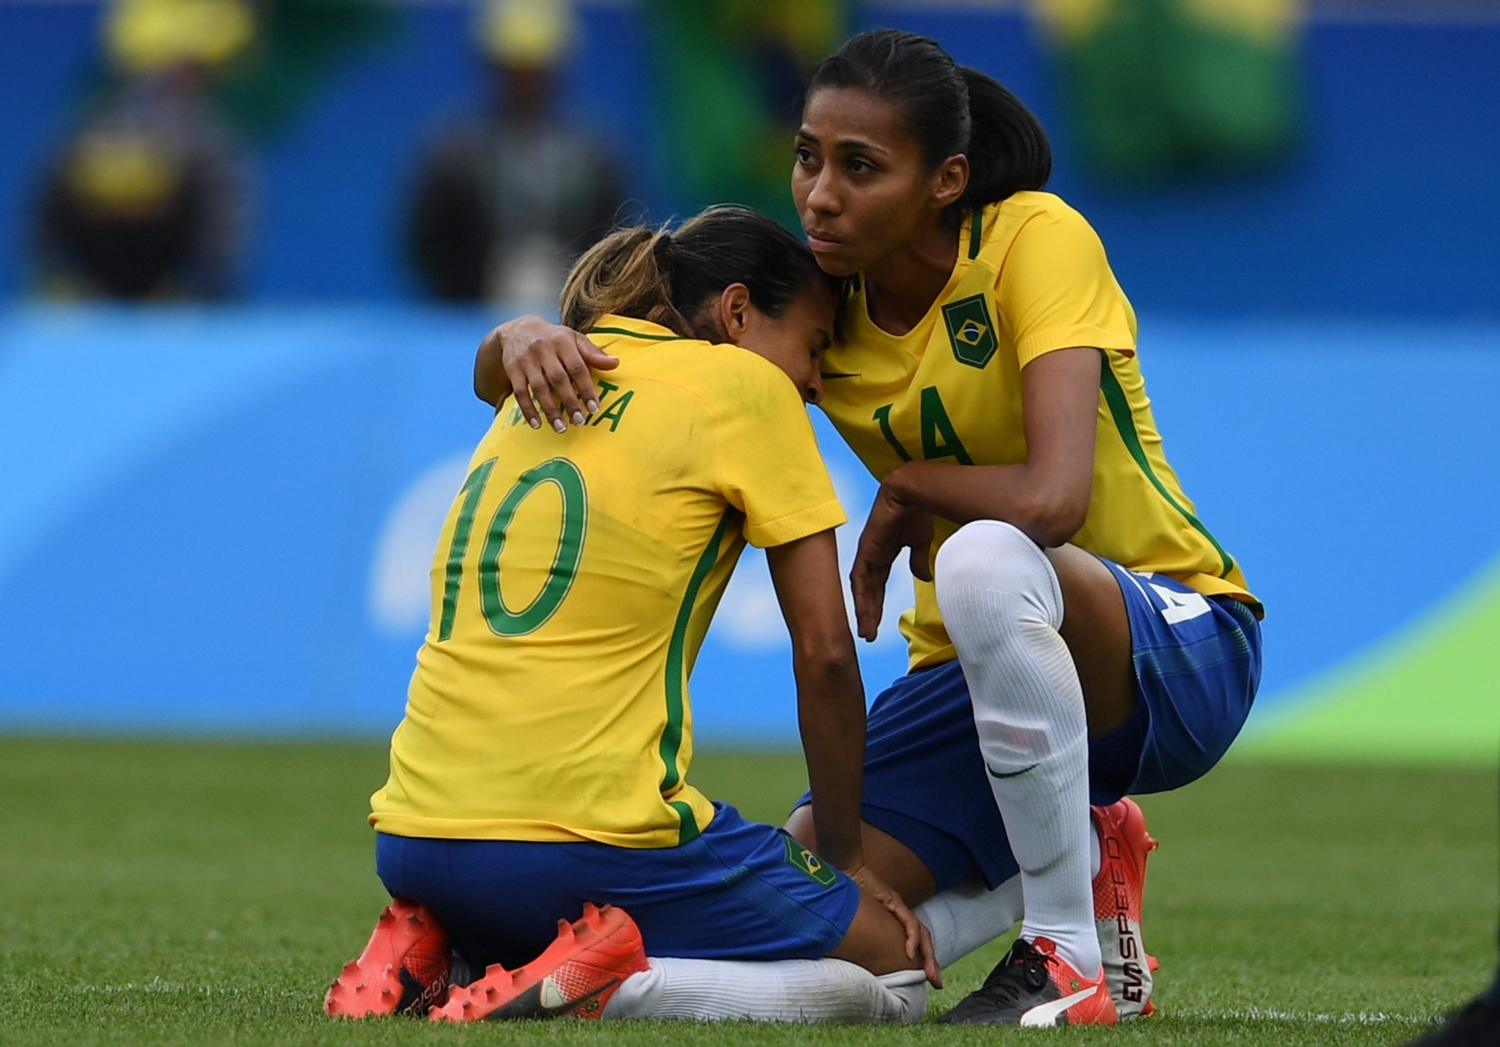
[
  {"x": 1475, "y": 1025},
  {"x": 1033, "y": 986}
]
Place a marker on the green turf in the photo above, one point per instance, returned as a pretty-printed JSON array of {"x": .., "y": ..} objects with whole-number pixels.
[{"x": 186, "y": 893}]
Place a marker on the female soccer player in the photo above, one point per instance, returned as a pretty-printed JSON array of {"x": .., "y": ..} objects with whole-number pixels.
[
  {"x": 540, "y": 769},
  {"x": 1078, "y": 632}
]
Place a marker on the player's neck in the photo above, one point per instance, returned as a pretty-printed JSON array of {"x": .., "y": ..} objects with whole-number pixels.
[{"x": 901, "y": 287}]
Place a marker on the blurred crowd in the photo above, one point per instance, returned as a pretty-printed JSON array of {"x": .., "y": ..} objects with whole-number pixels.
[
  {"x": 148, "y": 197},
  {"x": 153, "y": 196}
]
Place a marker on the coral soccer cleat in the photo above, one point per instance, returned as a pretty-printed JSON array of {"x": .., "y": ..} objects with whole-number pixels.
[
  {"x": 1123, "y": 847},
  {"x": 1035, "y": 987},
  {"x": 403, "y": 970},
  {"x": 574, "y": 977}
]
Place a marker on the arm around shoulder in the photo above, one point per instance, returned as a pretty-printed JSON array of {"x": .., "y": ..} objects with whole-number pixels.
[{"x": 550, "y": 362}]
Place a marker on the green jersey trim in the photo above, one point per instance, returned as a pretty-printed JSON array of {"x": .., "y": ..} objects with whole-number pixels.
[
  {"x": 671, "y": 735},
  {"x": 637, "y": 334},
  {"x": 689, "y": 831},
  {"x": 1119, "y": 409},
  {"x": 976, "y": 231}
]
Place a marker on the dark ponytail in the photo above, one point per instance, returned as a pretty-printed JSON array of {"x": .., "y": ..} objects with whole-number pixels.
[
  {"x": 949, "y": 108},
  {"x": 668, "y": 277},
  {"x": 1007, "y": 150}
]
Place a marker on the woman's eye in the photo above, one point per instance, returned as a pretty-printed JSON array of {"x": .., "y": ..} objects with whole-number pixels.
[
  {"x": 858, "y": 166},
  {"x": 804, "y": 156}
]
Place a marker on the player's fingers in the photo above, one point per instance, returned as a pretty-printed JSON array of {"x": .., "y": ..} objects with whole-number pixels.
[
  {"x": 525, "y": 377},
  {"x": 541, "y": 391},
  {"x": 560, "y": 386},
  {"x": 921, "y": 566},
  {"x": 570, "y": 398},
  {"x": 909, "y": 922},
  {"x": 928, "y": 953},
  {"x": 867, "y": 581},
  {"x": 581, "y": 383},
  {"x": 866, "y": 610},
  {"x": 590, "y": 357}
]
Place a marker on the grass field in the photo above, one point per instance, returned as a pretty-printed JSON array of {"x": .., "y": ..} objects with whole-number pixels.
[{"x": 193, "y": 893}]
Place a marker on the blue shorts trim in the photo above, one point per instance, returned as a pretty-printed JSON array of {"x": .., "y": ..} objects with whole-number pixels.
[
  {"x": 1197, "y": 665},
  {"x": 740, "y": 890}
]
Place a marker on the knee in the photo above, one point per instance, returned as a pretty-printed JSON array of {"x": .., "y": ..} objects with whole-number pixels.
[
  {"x": 990, "y": 556},
  {"x": 800, "y": 825}
]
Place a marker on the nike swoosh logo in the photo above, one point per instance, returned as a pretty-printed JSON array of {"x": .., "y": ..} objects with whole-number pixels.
[
  {"x": 828, "y": 376},
  {"x": 1013, "y": 774},
  {"x": 554, "y": 1010},
  {"x": 1045, "y": 1015}
]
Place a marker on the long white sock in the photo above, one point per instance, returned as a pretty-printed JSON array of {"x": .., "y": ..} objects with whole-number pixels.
[
  {"x": 963, "y": 918},
  {"x": 825, "y": 990},
  {"x": 1002, "y": 606}
]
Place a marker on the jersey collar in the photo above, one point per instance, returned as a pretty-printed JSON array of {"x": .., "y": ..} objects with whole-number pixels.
[{"x": 612, "y": 328}]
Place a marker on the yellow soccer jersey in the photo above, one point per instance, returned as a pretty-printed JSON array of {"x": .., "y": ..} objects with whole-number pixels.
[
  {"x": 1031, "y": 278},
  {"x": 572, "y": 586}
]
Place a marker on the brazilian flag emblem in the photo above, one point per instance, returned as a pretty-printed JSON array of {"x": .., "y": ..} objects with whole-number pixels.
[
  {"x": 799, "y": 857},
  {"x": 970, "y": 330}
]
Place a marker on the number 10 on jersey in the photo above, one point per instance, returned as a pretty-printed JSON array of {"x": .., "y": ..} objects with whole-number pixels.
[{"x": 502, "y": 620}]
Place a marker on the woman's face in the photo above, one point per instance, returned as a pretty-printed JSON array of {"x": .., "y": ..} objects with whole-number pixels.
[
  {"x": 860, "y": 183},
  {"x": 794, "y": 341}
]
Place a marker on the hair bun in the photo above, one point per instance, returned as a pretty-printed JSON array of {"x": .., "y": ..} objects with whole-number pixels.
[{"x": 662, "y": 250}]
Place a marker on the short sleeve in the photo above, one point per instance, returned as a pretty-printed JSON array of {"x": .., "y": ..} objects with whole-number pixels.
[
  {"x": 1056, "y": 290},
  {"x": 768, "y": 463}
]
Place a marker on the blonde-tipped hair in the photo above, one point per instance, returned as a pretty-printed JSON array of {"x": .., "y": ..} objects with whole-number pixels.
[
  {"x": 628, "y": 274},
  {"x": 668, "y": 278}
]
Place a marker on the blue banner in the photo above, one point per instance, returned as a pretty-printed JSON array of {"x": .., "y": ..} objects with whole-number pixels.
[{"x": 223, "y": 521}]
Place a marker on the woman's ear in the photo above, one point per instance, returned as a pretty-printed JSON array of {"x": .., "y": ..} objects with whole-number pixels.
[
  {"x": 733, "y": 312},
  {"x": 950, "y": 180}
]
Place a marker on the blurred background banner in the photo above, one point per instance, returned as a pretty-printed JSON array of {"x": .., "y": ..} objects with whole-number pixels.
[
  {"x": 248, "y": 247},
  {"x": 223, "y": 521}
]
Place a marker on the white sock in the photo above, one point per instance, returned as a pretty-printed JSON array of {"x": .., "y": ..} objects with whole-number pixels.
[
  {"x": 1002, "y": 606},
  {"x": 963, "y": 918},
  {"x": 825, "y": 990}
]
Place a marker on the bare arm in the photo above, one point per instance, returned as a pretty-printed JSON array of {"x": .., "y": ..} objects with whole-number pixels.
[
  {"x": 831, "y": 714},
  {"x": 1046, "y": 496},
  {"x": 830, "y": 694},
  {"x": 551, "y": 362}
]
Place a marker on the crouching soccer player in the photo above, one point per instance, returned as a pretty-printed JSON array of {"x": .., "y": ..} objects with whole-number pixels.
[
  {"x": 1078, "y": 634},
  {"x": 540, "y": 769}
]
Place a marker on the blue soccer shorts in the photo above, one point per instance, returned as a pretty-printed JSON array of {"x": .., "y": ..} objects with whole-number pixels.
[
  {"x": 1197, "y": 666},
  {"x": 740, "y": 891}
]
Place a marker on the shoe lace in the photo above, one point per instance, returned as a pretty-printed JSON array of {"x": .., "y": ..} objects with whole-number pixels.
[{"x": 1017, "y": 977}]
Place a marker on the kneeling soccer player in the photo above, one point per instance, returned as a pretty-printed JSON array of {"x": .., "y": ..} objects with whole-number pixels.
[{"x": 540, "y": 769}]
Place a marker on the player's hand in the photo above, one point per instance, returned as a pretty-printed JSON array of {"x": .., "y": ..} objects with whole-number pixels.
[
  {"x": 893, "y": 525},
  {"x": 918, "y": 937},
  {"x": 546, "y": 366}
]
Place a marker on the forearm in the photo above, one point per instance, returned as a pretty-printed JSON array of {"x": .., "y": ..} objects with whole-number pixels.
[
  {"x": 1041, "y": 502},
  {"x": 831, "y": 715}
]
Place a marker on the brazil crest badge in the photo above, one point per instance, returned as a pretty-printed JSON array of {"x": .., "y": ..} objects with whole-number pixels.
[{"x": 970, "y": 330}]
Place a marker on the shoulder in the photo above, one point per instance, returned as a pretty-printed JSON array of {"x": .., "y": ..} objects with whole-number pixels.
[
  {"x": 1029, "y": 205},
  {"x": 737, "y": 382},
  {"x": 1030, "y": 215},
  {"x": 1032, "y": 229},
  {"x": 725, "y": 380}
]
